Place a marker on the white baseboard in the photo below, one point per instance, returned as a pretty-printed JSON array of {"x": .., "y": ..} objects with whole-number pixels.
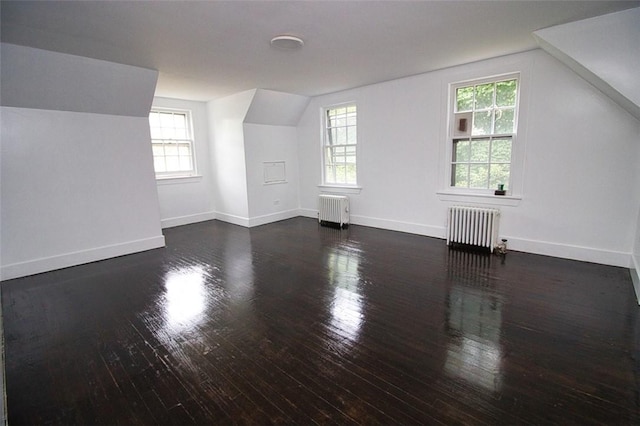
[
  {"x": 567, "y": 251},
  {"x": 273, "y": 217},
  {"x": 395, "y": 225},
  {"x": 635, "y": 275},
  {"x": 313, "y": 214},
  {"x": 233, "y": 219},
  {"x": 186, "y": 220},
  {"x": 391, "y": 225},
  {"x": 564, "y": 251},
  {"x": 250, "y": 222},
  {"x": 36, "y": 266}
]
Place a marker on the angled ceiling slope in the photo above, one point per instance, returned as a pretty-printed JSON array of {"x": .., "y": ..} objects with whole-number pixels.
[
  {"x": 604, "y": 51},
  {"x": 276, "y": 108},
  {"x": 207, "y": 50}
]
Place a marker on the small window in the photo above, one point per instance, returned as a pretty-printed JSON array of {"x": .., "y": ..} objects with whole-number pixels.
[
  {"x": 172, "y": 143},
  {"x": 483, "y": 132},
  {"x": 340, "y": 145}
]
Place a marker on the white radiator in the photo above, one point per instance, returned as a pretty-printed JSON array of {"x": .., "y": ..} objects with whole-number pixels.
[
  {"x": 333, "y": 209},
  {"x": 473, "y": 226}
]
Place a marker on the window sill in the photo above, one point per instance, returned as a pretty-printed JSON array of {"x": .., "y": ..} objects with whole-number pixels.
[
  {"x": 175, "y": 180},
  {"x": 497, "y": 200},
  {"x": 336, "y": 189}
]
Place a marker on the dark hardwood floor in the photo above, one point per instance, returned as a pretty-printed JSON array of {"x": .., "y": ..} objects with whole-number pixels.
[{"x": 295, "y": 323}]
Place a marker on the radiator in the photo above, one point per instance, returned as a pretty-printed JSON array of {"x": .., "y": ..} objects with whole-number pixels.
[
  {"x": 333, "y": 209},
  {"x": 473, "y": 226}
]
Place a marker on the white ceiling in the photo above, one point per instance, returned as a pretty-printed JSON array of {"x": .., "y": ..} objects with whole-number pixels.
[{"x": 209, "y": 49}]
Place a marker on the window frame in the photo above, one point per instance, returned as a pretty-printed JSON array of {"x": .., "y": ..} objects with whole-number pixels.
[
  {"x": 453, "y": 138},
  {"x": 324, "y": 146},
  {"x": 181, "y": 174},
  {"x": 488, "y": 70}
]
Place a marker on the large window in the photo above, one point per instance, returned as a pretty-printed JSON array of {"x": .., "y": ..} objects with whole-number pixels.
[
  {"x": 483, "y": 132},
  {"x": 340, "y": 143},
  {"x": 172, "y": 143}
]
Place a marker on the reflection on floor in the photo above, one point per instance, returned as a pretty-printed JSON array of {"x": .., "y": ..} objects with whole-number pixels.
[{"x": 295, "y": 323}]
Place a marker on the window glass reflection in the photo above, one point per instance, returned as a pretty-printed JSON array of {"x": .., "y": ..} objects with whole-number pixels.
[
  {"x": 347, "y": 302},
  {"x": 473, "y": 323},
  {"x": 184, "y": 296}
]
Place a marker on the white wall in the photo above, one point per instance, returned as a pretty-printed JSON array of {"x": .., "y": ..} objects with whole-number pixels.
[
  {"x": 580, "y": 175},
  {"x": 77, "y": 186},
  {"x": 188, "y": 200},
  {"x": 635, "y": 261},
  {"x": 249, "y": 129},
  {"x": 225, "y": 117},
  {"x": 265, "y": 143},
  {"x": 604, "y": 50}
]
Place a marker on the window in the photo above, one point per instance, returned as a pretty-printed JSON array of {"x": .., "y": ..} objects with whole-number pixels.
[
  {"x": 483, "y": 132},
  {"x": 172, "y": 143},
  {"x": 340, "y": 143}
]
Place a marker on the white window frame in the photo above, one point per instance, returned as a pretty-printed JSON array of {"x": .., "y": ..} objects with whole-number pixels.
[
  {"x": 332, "y": 185},
  {"x": 192, "y": 172},
  {"x": 474, "y": 75}
]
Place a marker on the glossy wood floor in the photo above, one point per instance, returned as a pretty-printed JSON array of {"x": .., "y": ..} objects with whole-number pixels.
[{"x": 295, "y": 323}]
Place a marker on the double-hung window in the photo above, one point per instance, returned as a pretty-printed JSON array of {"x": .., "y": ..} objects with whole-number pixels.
[
  {"x": 483, "y": 132},
  {"x": 340, "y": 145},
  {"x": 172, "y": 143}
]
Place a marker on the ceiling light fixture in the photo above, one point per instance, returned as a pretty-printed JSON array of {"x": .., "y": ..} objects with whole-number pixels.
[{"x": 287, "y": 42}]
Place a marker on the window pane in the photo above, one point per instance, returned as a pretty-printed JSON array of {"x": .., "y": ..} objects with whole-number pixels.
[
  {"x": 180, "y": 121},
  {"x": 499, "y": 175},
  {"x": 505, "y": 121},
  {"x": 484, "y": 96},
  {"x": 351, "y": 173},
  {"x": 340, "y": 174},
  {"x": 352, "y": 135},
  {"x": 171, "y": 144},
  {"x": 501, "y": 151},
  {"x": 506, "y": 93},
  {"x": 332, "y": 136},
  {"x": 158, "y": 164},
  {"x": 480, "y": 150},
  {"x": 460, "y": 150},
  {"x": 166, "y": 119},
  {"x": 329, "y": 174},
  {"x": 185, "y": 163},
  {"x": 154, "y": 119},
  {"x": 482, "y": 122},
  {"x": 168, "y": 133},
  {"x": 464, "y": 99},
  {"x": 478, "y": 175},
  {"x": 341, "y": 137},
  {"x": 460, "y": 175},
  {"x": 158, "y": 150},
  {"x": 173, "y": 164}
]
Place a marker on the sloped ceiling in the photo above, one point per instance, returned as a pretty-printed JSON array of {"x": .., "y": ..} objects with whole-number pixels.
[
  {"x": 39, "y": 79},
  {"x": 604, "y": 50},
  {"x": 209, "y": 49}
]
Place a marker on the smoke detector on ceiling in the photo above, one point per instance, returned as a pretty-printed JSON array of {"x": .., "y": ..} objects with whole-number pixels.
[{"x": 287, "y": 42}]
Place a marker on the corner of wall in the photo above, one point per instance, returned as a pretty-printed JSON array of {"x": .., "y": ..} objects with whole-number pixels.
[{"x": 635, "y": 278}]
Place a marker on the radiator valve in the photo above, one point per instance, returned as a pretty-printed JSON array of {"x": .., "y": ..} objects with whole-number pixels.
[{"x": 501, "y": 248}]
